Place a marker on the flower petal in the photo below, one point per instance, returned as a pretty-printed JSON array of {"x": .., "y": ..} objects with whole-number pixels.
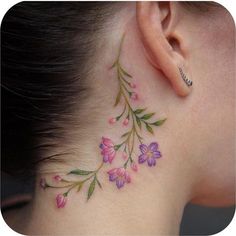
[
  {"x": 111, "y": 157},
  {"x": 121, "y": 172},
  {"x": 120, "y": 183},
  {"x": 105, "y": 151},
  {"x": 105, "y": 158},
  {"x": 111, "y": 151},
  {"x": 127, "y": 177},
  {"x": 156, "y": 154},
  {"x": 61, "y": 201},
  {"x": 113, "y": 177},
  {"x": 151, "y": 161},
  {"x": 42, "y": 183},
  {"x": 107, "y": 142},
  {"x": 134, "y": 166},
  {"x": 142, "y": 158},
  {"x": 153, "y": 147},
  {"x": 143, "y": 148},
  {"x": 112, "y": 171}
]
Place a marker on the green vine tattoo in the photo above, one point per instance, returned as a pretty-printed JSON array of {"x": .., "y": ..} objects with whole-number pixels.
[
  {"x": 61, "y": 199},
  {"x": 135, "y": 120}
]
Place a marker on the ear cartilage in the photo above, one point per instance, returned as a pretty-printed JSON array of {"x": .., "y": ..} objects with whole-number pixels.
[{"x": 185, "y": 78}]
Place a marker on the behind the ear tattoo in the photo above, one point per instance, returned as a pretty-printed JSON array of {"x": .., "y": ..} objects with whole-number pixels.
[
  {"x": 185, "y": 78},
  {"x": 134, "y": 121}
]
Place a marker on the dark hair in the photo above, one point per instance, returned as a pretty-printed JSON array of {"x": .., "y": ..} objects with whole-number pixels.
[{"x": 45, "y": 49}]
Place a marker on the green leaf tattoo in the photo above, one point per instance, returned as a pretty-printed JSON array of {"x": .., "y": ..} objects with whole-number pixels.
[
  {"x": 91, "y": 188},
  {"x": 80, "y": 172},
  {"x": 147, "y": 116}
]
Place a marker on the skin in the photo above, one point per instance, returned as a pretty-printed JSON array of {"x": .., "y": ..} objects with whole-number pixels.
[{"x": 197, "y": 140}]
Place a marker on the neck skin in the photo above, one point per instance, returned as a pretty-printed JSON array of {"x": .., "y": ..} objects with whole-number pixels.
[{"x": 151, "y": 205}]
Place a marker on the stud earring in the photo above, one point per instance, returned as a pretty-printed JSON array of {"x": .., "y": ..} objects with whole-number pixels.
[{"x": 185, "y": 78}]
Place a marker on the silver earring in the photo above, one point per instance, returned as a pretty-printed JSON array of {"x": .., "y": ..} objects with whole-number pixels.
[{"x": 185, "y": 78}]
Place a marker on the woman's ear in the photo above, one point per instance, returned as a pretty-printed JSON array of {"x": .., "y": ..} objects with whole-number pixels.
[{"x": 165, "y": 48}]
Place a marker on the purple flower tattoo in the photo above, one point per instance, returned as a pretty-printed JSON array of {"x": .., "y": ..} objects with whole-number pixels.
[{"x": 149, "y": 153}]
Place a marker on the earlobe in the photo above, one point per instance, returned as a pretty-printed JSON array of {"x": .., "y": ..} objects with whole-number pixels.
[{"x": 157, "y": 23}]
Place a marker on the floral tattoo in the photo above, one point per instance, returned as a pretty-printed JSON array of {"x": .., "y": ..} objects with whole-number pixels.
[{"x": 136, "y": 119}]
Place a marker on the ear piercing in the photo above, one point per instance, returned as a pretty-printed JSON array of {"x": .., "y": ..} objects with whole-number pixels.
[{"x": 185, "y": 78}]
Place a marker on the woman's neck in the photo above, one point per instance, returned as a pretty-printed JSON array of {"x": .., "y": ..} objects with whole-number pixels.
[{"x": 152, "y": 204}]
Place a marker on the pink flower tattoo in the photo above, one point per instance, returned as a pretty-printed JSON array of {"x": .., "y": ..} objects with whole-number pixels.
[
  {"x": 43, "y": 183},
  {"x": 134, "y": 121},
  {"x": 120, "y": 176},
  {"x": 61, "y": 200},
  {"x": 108, "y": 150}
]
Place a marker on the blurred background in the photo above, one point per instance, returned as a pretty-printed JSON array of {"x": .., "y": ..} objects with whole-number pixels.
[{"x": 196, "y": 220}]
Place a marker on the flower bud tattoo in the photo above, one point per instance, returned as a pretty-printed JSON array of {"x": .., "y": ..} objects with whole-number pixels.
[{"x": 133, "y": 121}]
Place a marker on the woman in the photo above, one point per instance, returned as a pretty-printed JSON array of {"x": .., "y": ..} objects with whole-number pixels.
[{"x": 125, "y": 111}]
